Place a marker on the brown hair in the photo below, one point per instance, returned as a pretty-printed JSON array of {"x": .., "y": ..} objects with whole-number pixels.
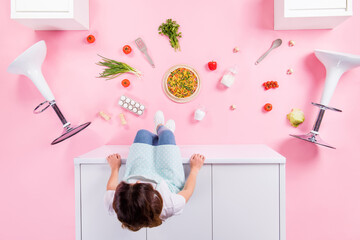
[{"x": 137, "y": 205}]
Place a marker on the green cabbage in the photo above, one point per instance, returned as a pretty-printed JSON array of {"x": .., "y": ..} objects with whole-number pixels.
[{"x": 296, "y": 117}]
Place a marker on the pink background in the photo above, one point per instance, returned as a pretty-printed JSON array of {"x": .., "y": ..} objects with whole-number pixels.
[{"x": 37, "y": 180}]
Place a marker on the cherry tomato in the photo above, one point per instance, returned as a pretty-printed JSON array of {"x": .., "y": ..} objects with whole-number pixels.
[
  {"x": 125, "y": 83},
  {"x": 270, "y": 84},
  {"x": 268, "y": 107},
  {"x": 90, "y": 38},
  {"x": 212, "y": 65},
  {"x": 127, "y": 49},
  {"x": 267, "y": 85}
]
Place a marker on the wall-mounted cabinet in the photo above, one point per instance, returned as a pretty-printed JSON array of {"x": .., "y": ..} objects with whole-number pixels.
[
  {"x": 240, "y": 194},
  {"x": 310, "y": 14},
  {"x": 51, "y": 14}
]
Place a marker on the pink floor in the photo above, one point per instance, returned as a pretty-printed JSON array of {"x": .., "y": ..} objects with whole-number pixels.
[{"x": 37, "y": 180}]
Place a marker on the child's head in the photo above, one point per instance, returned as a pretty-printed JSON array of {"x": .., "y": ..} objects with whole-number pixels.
[{"x": 137, "y": 205}]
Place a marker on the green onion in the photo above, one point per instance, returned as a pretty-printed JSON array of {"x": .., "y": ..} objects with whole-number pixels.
[{"x": 114, "y": 68}]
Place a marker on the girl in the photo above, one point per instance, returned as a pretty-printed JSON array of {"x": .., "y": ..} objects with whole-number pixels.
[{"x": 153, "y": 188}]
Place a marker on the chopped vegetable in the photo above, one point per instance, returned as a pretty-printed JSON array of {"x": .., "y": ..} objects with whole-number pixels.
[
  {"x": 170, "y": 28},
  {"x": 90, "y": 39},
  {"x": 125, "y": 83},
  {"x": 212, "y": 65},
  {"x": 296, "y": 117},
  {"x": 236, "y": 49},
  {"x": 268, "y": 107},
  {"x": 114, "y": 68},
  {"x": 182, "y": 82},
  {"x": 127, "y": 49}
]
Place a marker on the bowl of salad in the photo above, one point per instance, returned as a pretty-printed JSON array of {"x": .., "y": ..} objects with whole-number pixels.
[{"x": 181, "y": 83}]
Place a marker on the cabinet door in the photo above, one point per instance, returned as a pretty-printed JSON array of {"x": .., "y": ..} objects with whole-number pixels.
[
  {"x": 96, "y": 223},
  {"x": 195, "y": 221},
  {"x": 246, "y": 202}
]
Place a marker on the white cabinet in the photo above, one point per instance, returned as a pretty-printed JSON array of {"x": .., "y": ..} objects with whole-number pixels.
[
  {"x": 240, "y": 194},
  {"x": 246, "y": 202},
  {"x": 51, "y": 14},
  {"x": 310, "y": 14}
]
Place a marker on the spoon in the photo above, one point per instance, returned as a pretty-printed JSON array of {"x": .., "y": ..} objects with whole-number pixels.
[{"x": 274, "y": 45}]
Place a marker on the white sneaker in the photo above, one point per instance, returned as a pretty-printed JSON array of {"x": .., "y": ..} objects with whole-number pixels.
[
  {"x": 170, "y": 124},
  {"x": 159, "y": 119}
]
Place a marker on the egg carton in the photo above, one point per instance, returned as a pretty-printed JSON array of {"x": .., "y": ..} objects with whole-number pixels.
[{"x": 131, "y": 105}]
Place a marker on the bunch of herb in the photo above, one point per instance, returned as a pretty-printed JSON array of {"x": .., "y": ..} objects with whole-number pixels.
[
  {"x": 171, "y": 29},
  {"x": 114, "y": 68}
]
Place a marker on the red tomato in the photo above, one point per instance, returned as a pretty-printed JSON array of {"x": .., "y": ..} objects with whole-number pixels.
[
  {"x": 268, "y": 107},
  {"x": 90, "y": 39},
  {"x": 127, "y": 49},
  {"x": 212, "y": 65},
  {"x": 125, "y": 83}
]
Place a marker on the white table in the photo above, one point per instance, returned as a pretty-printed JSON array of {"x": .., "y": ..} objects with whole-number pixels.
[{"x": 240, "y": 194}]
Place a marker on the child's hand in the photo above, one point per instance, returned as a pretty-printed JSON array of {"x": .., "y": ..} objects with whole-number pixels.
[
  {"x": 114, "y": 161},
  {"x": 196, "y": 161}
]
